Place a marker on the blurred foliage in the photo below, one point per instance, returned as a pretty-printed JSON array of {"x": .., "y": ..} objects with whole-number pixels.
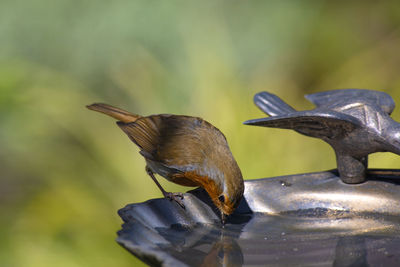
[{"x": 65, "y": 171}]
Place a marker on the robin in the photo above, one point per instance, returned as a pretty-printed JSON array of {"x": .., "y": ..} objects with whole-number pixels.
[{"x": 185, "y": 150}]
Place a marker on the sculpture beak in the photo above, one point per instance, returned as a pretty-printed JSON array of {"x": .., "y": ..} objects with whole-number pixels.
[{"x": 255, "y": 121}]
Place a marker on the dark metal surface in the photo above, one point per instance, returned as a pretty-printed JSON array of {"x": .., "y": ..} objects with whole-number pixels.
[
  {"x": 299, "y": 220},
  {"x": 355, "y": 122}
]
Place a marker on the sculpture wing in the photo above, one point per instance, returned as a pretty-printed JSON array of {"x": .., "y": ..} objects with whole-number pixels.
[
  {"x": 272, "y": 104},
  {"x": 339, "y": 98},
  {"x": 320, "y": 124}
]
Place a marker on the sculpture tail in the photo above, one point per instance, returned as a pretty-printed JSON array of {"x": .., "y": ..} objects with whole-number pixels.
[
  {"x": 117, "y": 113},
  {"x": 272, "y": 104}
]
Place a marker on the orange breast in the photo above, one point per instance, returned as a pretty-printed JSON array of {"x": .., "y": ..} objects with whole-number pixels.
[{"x": 205, "y": 182}]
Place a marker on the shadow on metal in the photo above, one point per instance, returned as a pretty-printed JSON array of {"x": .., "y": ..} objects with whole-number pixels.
[{"x": 306, "y": 219}]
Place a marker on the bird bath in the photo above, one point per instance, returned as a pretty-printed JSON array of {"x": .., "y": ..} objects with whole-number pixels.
[{"x": 306, "y": 219}]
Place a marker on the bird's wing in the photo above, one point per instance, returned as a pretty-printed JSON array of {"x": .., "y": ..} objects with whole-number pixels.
[
  {"x": 336, "y": 98},
  {"x": 272, "y": 104},
  {"x": 145, "y": 132},
  {"x": 321, "y": 124},
  {"x": 187, "y": 143},
  {"x": 178, "y": 142}
]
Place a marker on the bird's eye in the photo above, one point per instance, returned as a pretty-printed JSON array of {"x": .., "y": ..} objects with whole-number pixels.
[{"x": 222, "y": 198}]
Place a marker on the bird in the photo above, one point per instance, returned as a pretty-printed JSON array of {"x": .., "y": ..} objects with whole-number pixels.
[
  {"x": 355, "y": 122},
  {"x": 185, "y": 150}
]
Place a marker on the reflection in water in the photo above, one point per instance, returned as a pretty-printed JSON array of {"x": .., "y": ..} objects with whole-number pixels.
[
  {"x": 225, "y": 252},
  {"x": 317, "y": 237},
  {"x": 204, "y": 245}
]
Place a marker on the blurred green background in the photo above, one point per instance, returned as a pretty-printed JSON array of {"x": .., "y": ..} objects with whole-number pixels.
[{"x": 65, "y": 171}]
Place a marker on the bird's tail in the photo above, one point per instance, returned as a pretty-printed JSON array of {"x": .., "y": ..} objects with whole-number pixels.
[
  {"x": 117, "y": 113},
  {"x": 272, "y": 104}
]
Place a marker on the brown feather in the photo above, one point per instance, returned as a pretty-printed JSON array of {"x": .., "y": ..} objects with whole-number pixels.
[
  {"x": 114, "y": 112},
  {"x": 144, "y": 132}
]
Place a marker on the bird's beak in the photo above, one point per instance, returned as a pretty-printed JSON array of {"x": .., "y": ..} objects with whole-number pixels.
[{"x": 223, "y": 218}]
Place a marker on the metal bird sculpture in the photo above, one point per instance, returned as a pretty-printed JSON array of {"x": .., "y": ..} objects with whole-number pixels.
[
  {"x": 185, "y": 150},
  {"x": 355, "y": 122}
]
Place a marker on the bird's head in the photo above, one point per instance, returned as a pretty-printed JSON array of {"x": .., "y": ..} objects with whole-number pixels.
[
  {"x": 228, "y": 201},
  {"x": 228, "y": 193},
  {"x": 224, "y": 188},
  {"x": 226, "y": 206}
]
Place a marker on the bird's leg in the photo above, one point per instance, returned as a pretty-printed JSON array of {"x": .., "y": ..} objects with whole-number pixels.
[
  {"x": 168, "y": 195},
  {"x": 352, "y": 170}
]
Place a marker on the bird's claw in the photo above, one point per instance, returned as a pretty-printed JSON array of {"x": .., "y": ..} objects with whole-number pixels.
[{"x": 177, "y": 197}]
